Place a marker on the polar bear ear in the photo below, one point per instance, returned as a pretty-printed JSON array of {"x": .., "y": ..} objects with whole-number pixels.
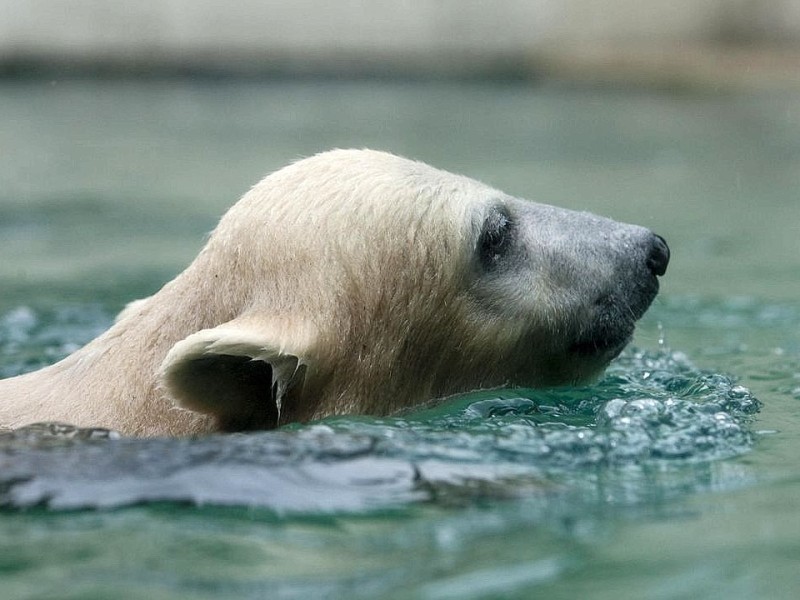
[{"x": 237, "y": 372}]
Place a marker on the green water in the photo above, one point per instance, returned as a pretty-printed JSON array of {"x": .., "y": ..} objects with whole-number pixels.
[{"x": 659, "y": 482}]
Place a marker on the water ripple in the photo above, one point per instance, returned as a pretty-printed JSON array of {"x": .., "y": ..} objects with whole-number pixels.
[{"x": 651, "y": 428}]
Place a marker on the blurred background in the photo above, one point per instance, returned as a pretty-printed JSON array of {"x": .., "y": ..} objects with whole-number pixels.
[
  {"x": 127, "y": 128},
  {"x": 683, "y": 42},
  {"x": 680, "y": 42}
]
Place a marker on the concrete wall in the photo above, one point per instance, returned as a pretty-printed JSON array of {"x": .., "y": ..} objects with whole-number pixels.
[{"x": 412, "y": 36}]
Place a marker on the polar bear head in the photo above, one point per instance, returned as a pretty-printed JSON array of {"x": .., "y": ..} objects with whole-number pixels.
[{"x": 359, "y": 281}]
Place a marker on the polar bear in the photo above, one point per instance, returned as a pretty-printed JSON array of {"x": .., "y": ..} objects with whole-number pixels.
[{"x": 356, "y": 281}]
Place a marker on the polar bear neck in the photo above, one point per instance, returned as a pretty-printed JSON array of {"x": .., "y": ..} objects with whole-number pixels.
[{"x": 94, "y": 383}]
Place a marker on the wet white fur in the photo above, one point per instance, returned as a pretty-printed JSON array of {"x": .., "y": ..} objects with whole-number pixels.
[{"x": 353, "y": 274}]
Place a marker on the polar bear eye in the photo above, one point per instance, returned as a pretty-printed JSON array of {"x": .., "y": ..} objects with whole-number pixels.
[{"x": 496, "y": 238}]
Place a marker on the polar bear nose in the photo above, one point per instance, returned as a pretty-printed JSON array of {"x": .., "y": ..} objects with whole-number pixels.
[{"x": 658, "y": 256}]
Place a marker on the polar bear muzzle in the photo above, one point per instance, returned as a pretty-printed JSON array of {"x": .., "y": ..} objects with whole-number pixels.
[{"x": 571, "y": 284}]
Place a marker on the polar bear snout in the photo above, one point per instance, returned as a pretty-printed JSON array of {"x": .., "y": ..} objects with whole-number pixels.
[
  {"x": 610, "y": 321},
  {"x": 658, "y": 256},
  {"x": 644, "y": 287}
]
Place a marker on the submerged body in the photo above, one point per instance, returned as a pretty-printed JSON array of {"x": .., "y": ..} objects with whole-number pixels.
[{"x": 356, "y": 281}]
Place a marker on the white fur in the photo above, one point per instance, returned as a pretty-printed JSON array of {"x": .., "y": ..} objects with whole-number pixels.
[{"x": 348, "y": 282}]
